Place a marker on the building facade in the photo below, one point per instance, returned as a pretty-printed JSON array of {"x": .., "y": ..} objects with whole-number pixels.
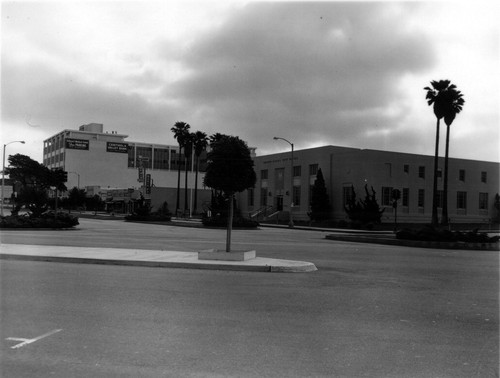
[
  {"x": 105, "y": 162},
  {"x": 472, "y": 185}
]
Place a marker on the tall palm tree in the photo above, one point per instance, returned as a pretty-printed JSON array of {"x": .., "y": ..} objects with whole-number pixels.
[
  {"x": 436, "y": 97},
  {"x": 200, "y": 144},
  {"x": 188, "y": 153},
  {"x": 180, "y": 130},
  {"x": 454, "y": 103}
]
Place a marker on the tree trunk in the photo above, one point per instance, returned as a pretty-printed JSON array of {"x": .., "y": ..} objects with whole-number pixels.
[
  {"x": 229, "y": 223},
  {"x": 434, "y": 220},
  {"x": 444, "y": 219},
  {"x": 178, "y": 183},
  {"x": 186, "y": 184},
  {"x": 196, "y": 185}
]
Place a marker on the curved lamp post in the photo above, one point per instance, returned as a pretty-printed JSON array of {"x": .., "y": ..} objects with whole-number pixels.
[
  {"x": 3, "y": 168},
  {"x": 291, "y": 225}
]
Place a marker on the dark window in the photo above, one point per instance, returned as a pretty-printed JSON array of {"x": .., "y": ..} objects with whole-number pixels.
[
  {"x": 313, "y": 169},
  {"x": 439, "y": 173},
  {"x": 347, "y": 194},
  {"x": 160, "y": 158},
  {"x": 296, "y": 195},
  {"x": 483, "y": 201},
  {"x": 421, "y": 198},
  {"x": 263, "y": 174},
  {"x": 386, "y": 196},
  {"x": 297, "y": 171},
  {"x": 406, "y": 197},
  {"x": 440, "y": 198},
  {"x": 461, "y": 200},
  {"x": 461, "y": 174},
  {"x": 406, "y": 168},
  {"x": 484, "y": 176},
  {"x": 144, "y": 154},
  {"x": 421, "y": 171}
]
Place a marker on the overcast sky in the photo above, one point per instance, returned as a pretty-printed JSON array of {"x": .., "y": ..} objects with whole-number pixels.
[{"x": 340, "y": 73}]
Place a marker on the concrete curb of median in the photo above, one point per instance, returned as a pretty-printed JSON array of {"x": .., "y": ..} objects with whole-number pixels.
[{"x": 167, "y": 259}]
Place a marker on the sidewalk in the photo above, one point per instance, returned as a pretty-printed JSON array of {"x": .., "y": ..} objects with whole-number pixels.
[{"x": 146, "y": 258}]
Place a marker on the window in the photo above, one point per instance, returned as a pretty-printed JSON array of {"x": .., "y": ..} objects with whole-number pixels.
[
  {"x": 406, "y": 168},
  {"x": 440, "y": 198},
  {"x": 421, "y": 171},
  {"x": 347, "y": 194},
  {"x": 461, "y": 174},
  {"x": 250, "y": 196},
  {"x": 131, "y": 156},
  {"x": 386, "y": 196},
  {"x": 439, "y": 173},
  {"x": 263, "y": 174},
  {"x": 421, "y": 198},
  {"x": 297, "y": 171},
  {"x": 313, "y": 169},
  {"x": 484, "y": 176},
  {"x": 160, "y": 160},
  {"x": 144, "y": 154},
  {"x": 296, "y": 196},
  {"x": 263, "y": 196},
  {"x": 406, "y": 197},
  {"x": 483, "y": 201},
  {"x": 462, "y": 200}
]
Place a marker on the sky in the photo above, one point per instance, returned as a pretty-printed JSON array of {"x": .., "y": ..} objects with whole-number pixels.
[{"x": 315, "y": 73}]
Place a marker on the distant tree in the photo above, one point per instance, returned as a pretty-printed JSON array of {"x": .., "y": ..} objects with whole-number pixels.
[
  {"x": 320, "y": 203},
  {"x": 364, "y": 212},
  {"x": 180, "y": 130},
  {"x": 35, "y": 179},
  {"x": 496, "y": 204},
  {"x": 200, "y": 144},
  {"x": 230, "y": 170},
  {"x": 76, "y": 198},
  {"x": 441, "y": 95}
]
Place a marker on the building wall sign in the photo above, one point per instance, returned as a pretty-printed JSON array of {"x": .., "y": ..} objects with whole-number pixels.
[
  {"x": 117, "y": 147},
  {"x": 77, "y": 144}
]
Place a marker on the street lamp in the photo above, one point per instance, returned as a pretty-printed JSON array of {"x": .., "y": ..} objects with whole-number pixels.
[
  {"x": 291, "y": 181},
  {"x": 76, "y": 173},
  {"x": 3, "y": 168}
]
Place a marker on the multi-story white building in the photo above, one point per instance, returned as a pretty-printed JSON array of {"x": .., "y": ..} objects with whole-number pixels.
[
  {"x": 472, "y": 185},
  {"x": 99, "y": 161}
]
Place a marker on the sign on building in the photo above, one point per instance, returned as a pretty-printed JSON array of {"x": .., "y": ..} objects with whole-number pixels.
[
  {"x": 117, "y": 147},
  {"x": 77, "y": 144}
]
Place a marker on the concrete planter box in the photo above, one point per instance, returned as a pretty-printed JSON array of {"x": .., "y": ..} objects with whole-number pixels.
[{"x": 215, "y": 254}]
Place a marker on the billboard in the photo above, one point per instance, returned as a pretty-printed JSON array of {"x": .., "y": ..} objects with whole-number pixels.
[
  {"x": 117, "y": 147},
  {"x": 77, "y": 144}
]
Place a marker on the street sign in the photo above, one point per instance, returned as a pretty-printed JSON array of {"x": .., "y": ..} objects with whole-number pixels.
[{"x": 141, "y": 175}]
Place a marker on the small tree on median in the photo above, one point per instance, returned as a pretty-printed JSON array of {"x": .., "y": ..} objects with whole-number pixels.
[
  {"x": 320, "y": 203},
  {"x": 230, "y": 170}
]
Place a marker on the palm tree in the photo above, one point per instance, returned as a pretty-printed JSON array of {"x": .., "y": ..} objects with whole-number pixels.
[
  {"x": 200, "y": 144},
  {"x": 454, "y": 102},
  {"x": 436, "y": 97},
  {"x": 188, "y": 152},
  {"x": 180, "y": 130}
]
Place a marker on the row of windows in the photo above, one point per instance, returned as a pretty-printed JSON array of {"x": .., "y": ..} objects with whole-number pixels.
[
  {"x": 461, "y": 173},
  {"x": 161, "y": 158},
  {"x": 387, "y": 198},
  {"x": 297, "y": 171}
]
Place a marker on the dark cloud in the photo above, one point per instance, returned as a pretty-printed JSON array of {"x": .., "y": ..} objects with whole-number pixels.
[{"x": 303, "y": 65}]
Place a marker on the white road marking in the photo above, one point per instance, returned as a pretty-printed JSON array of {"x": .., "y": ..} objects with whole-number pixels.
[{"x": 29, "y": 341}]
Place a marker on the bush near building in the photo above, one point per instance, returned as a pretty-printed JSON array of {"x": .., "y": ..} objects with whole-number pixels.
[
  {"x": 45, "y": 220},
  {"x": 429, "y": 233}
]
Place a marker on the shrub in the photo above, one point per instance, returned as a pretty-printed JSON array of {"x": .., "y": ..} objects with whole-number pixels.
[
  {"x": 238, "y": 222},
  {"x": 45, "y": 220},
  {"x": 429, "y": 233}
]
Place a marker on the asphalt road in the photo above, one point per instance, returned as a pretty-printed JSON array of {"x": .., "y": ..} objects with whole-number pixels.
[{"x": 369, "y": 311}]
